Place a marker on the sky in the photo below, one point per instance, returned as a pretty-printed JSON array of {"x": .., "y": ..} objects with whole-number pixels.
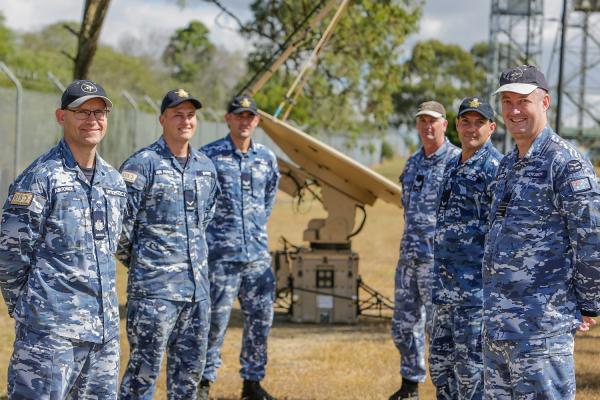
[{"x": 463, "y": 22}]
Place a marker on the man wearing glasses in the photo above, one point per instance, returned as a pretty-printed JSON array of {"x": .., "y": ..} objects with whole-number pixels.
[
  {"x": 60, "y": 227},
  {"x": 239, "y": 263}
]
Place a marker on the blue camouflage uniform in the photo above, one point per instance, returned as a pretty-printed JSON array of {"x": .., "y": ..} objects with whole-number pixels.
[
  {"x": 455, "y": 355},
  {"x": 420, "y": 180},
  {"x": 57, "y": 276},
  {"x": 239, "y": 260},
  {"x": 541, "y": 269},
  {"x": 164, "y": 246}
]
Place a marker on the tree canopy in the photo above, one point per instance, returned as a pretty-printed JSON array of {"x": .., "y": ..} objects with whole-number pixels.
[{"x": 356, "y": 74}]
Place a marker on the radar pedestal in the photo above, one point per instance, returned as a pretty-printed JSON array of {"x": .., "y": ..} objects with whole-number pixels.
[{"x": 320, "y": 283}]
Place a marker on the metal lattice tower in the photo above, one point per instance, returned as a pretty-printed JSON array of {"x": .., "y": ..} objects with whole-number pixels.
[
  {"x": 581, "y": 85},
  {"x": 516, "y": 28}
]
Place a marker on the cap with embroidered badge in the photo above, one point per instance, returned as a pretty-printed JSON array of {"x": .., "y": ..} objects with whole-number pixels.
[
  {"x": 477, "y": 105},
  {"x": 80, "y": 91},
  {"x": 431, "y": 108},
  {"x": 522, "y": 80},
  {"x": 175, "y": 97},
  {"x": 240, "y": 104}
]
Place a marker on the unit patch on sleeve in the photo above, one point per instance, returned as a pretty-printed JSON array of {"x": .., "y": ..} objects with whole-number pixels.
[
  {"x": 574, "y": 166},
  {"x": 129, "y": 176},
  {"x": 580, "y": 185},
  {"x": 21, "y": 199}
]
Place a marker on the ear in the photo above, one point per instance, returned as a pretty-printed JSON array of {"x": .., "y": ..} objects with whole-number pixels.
[
  {"x": 60, "y": 116},
  {"x": 456, "y": 123},
  {"x": 161, "y": 119},
  {"x": 546, "y": 101},
  {"x": 492, "y": 127}
]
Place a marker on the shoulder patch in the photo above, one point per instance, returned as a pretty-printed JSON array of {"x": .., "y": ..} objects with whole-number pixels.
[
  {"x": 574, "y": 166},
  {"x": 128, "y": 176},
  {"x": 21, "y": 199},
  {"x": 114, "y": 192},
  {"x": 580, "y": 185}
]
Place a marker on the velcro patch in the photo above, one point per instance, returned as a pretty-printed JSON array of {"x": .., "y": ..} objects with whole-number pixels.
[
  {"x": 574, "y": 166},
  {"x": 129, "y": 176},
  {"x": 21, "y": 199},
  {"x": 535, "y": 174},
  {"x": 114, "y": 192},
  {"x": 164, "y": 172},
  {"x": 64, "y": 189},
  {"x": 580, "y": 185}
]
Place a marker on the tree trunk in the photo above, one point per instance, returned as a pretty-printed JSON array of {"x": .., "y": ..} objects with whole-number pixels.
[{"x": 93, "y": 17}]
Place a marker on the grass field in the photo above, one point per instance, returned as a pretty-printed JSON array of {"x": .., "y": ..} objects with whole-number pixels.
[{"x": 324, "y": 361}]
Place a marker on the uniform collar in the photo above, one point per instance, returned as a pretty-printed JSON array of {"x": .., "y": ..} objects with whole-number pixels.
[
  {"x": 537, "y": 147},
  {"x": 482, "y": 151},
  {"x": 439, "y": 153},
  {"x": 231, "y": 146},
  {"x": 70, "y": 163},
  {"x": 164, "y": 152}
]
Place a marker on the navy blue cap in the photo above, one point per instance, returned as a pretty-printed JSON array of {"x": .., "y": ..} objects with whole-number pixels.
[
  {"x": 240, "y": 104},
  {"x": 175, "y": 97},
  {"x": 523, "y": 80},
  {"x": 80, "y": 91},
  {"x": 477, "y": 105}
]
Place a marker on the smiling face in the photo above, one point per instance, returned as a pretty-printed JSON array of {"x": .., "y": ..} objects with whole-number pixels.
[
  {"x": 525, "y": 114},
  {"x": 83, "y": 133},
  {"x": 474, "y": 130},
  {"x": 179, "y": 123}
]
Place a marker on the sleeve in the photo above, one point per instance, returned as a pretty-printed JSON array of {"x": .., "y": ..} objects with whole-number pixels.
[
  {"x": 23, "y": 219},
  {"x": 579, "y": 200},
  {"x": 136, "y": 182},
  {"x": 271, "y": 187}
]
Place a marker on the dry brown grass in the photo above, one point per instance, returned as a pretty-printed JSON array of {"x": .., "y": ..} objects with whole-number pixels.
[{"x": 329, "y": 362}]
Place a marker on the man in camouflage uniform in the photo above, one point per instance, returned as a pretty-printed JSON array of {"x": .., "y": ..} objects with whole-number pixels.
[
  {"x": 60, "y": 228},
  {"x": 455, "y": 355},
  {"x": 171, "y": 194},
  {"x": 239, "y": 261},
  {"x": 541, "y": 269},
  {"x": 420, "y": 180}
]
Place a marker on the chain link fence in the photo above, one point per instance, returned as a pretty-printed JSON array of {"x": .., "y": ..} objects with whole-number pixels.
[{"x": 128, "y": 130}]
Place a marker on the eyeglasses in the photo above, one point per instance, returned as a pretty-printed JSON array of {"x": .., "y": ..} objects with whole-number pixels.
[{"x": 82, "y": 115}]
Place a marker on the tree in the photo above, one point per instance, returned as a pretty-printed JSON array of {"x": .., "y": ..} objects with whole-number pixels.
[
  {"x": 94, "y": 12},
  {"x": 189, "y": 51},
  {"x": 6, "y": 40},
  {"x": 356, "y": 74},
  {"x": 446, "y": 73}
]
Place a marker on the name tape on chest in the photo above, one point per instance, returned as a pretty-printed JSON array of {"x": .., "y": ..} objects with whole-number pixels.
[
  {"x": 580, "y": 185},
  {"x": 128, "y": 176},
  {"x": 535, "y": 174},
  {"x": 164, "y": 172},
  {"x": 113, "y": 192},
  {"x": 64, "y": 189},
  {"x": 21, "y": 199},
  {"x": 205, "y": 173}
]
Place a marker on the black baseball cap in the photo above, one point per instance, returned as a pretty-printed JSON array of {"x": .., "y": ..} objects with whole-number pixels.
[
  {"x": 240, "y": 104},
  {"x": 80, "y": 91},
  {"x": 175, "y": 97},
  {"x": 523, "y": 80},
  {"x": 477, "y": 105}
]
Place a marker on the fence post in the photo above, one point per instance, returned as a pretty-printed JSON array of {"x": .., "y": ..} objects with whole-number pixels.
[
  {"x": 57, "y": 83},
  {"x": 136, "y": 108},
  {"x": 14, "y": 79}
]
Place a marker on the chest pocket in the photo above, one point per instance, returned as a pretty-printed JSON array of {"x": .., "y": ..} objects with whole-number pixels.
[
  {"x": 163, "y": 200},
  {"x": 228, "y": 174},
  {"x": 68, "y": 220}
]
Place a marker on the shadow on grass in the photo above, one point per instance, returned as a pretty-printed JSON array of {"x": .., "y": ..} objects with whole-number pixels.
[{"x": 588, "y": 382}]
